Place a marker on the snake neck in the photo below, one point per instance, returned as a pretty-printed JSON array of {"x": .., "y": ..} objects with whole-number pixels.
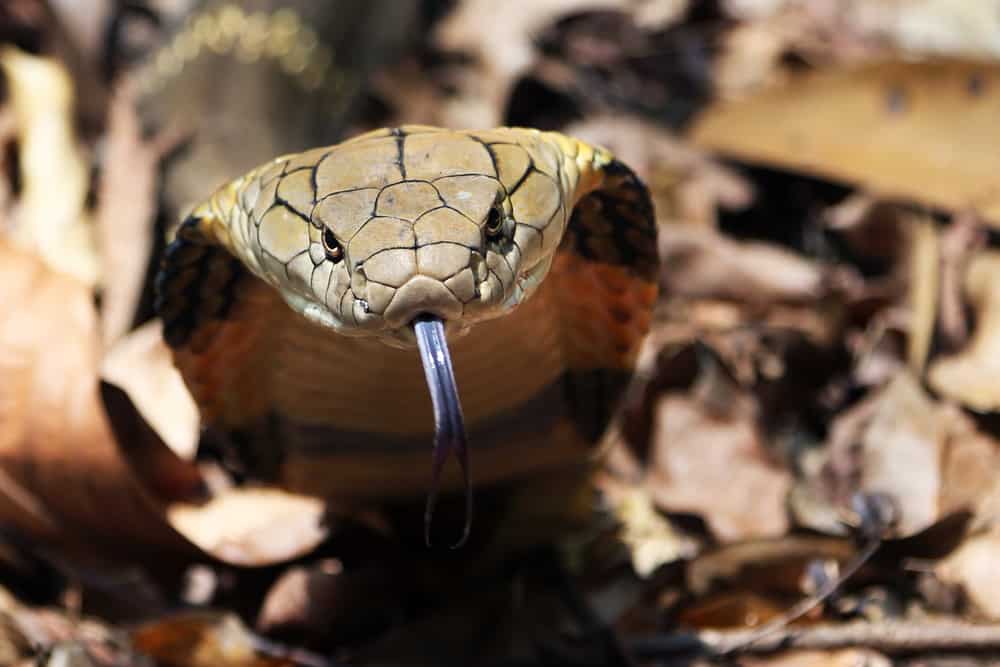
[{"x": 362, "y": 385}]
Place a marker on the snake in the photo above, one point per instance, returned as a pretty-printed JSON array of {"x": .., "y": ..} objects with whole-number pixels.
[{"x": 483, "y": 293}]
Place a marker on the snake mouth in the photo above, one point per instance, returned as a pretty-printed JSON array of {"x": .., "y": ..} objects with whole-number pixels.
[{"x": 449, "y": 423}]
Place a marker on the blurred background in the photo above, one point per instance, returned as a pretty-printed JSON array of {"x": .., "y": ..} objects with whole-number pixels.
[{"x": 807, "y": 470}]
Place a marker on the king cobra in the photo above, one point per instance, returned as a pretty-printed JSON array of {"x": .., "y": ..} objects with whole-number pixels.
[{"x": 311, "y": 303}]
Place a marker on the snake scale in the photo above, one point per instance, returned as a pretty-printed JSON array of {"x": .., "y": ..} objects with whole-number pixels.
[{"x": 311, "y": 303}]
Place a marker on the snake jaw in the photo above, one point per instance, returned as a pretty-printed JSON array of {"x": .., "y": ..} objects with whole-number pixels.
[{"x": 449, "y": 423}]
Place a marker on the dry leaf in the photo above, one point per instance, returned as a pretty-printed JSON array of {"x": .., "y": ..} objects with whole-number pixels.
[
  {"x": 901, "y": 448},
  {"x": 55, "y": 441},
  {"x": 920, "y": 131},
  {"x": 476, "y": 27},
  {"x": 872, "y": 228},
  {"x": 961, "y": 242},
  {"x": 686, "y": 185},
  {"x": 927, "y": 456},
  {"x": 731, "y": 609},
  {"x": 932, "y": 26},
  {"x": 41, "y": 94},
  {"x": 250, "y": 526},
  {"x": 321, "y": 600},
  {"x": 142, "y": 366},
  {"x": 715, "y": 466},
  {"x": 64, "y": 460},
  {"x": 651, "y": 539},
  {"x": 774, "y": 565},
  {"x": 924, "y": 268},
  {"x": 702, "y": 263},
  {"x": 973, "y": 566},
  {"x": 854, "y": 657},
  {"x": 970, "y": 377},
  {"x": 127, "y": 201},
  {"x": 204, "y": 639}
]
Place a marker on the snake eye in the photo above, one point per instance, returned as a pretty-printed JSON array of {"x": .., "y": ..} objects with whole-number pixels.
[
  {"x": 494, "y": 223},
  {"x": 331, "y": 246}
]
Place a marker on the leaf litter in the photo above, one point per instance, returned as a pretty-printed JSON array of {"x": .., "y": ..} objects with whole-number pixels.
[{"x": 805, "y": 472}]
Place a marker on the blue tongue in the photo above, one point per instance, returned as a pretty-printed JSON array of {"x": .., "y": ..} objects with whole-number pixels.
[{"x": 449, "y": 425}]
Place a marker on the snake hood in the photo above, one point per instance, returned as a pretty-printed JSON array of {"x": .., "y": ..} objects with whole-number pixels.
[
  {"x": 367, "y": 236},
  {"x": 408, "y": 237}
]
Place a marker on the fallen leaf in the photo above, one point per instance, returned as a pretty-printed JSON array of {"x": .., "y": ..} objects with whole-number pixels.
[
  {"x": 700, "y": 453},
  {"x": 969, "y": 377},
  {"x": 927, "y": 456},
  {"x": 686, "y": 185},
  {"x": 477, "y": 26},
  {"x": 774, "y": 565},
  {"x": 252, "y": 526},
  {"x": 732, "y": 609},
  {"x": 931, "y": 26},
  {"x": 961, "y": 242},
  {"x": 872, "y": 228},
  {"x": 205, "y": 639},
  {"x": 702, "y": 263},
  {"x": 924, "y": 282},
  {"x": 70, "y": 447},
  {"x": 853, "y": 657},
  {"x": 651, "y": 540},
  {"x": 42, "y": 97},
  {"x": 861, "y": 125},
  {"x": 55, "y": 441},
  {"x": 142, "y": 366},
  {"x": 125, "y": 214},
  {"x": 601, "y": 60},
  {"x": 320, "y": 601},
  {"x": 973, "y": 566}
]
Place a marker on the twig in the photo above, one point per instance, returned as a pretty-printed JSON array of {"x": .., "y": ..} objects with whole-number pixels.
[
  {"x": 893, "y": 637},
  {"x": 803, "y": 607},
  {"x": 873, "y": 514}
]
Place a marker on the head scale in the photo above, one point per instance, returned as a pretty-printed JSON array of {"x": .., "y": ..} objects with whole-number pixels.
[{"x": 377, "y": 231}]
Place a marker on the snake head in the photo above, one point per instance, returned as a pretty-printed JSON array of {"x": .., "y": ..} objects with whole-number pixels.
[
  {"x": 395, "y": 227},
  {"x": 409, "y": 236}
]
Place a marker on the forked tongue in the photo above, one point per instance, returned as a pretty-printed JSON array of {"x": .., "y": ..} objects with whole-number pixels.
[{"x": 449, "y": 425}]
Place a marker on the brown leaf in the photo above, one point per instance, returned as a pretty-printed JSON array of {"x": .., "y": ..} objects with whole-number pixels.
[
  {"x": 55, "y": 441},
  {"x": 970, "y": 377},
  {"x": 927, "y": 456},
  {"x": 252, "y": 526},
  {"x": 973, "y": 566},
  {"x": 127, "y": 201},
  {"x": 63, "y": 462},
  {"x": 42, "y": 96},
  {"x": 961, "y": 242},
  {"x": 686, "y": 185},
  {"x": 703, "y": 263},
  {"x": 321, "y": 601},
  {"x": 651, "y": 540},
  {"x": 712, "y": 464},
  {"x": 204, "y": 639},
  {"x": 142, "y": 366},
  {"x": 924, "y": 266},
  {"x": 477, "y": 26},
  {"x": 731, "y": 609},
  {"x": 775, "y": 565},
  {"x": 861, "y": 125},
  {"x": 840, "y": 658}
]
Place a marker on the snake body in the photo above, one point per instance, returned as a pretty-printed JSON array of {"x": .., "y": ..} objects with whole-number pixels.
[{"x": 289, "y": 298}]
